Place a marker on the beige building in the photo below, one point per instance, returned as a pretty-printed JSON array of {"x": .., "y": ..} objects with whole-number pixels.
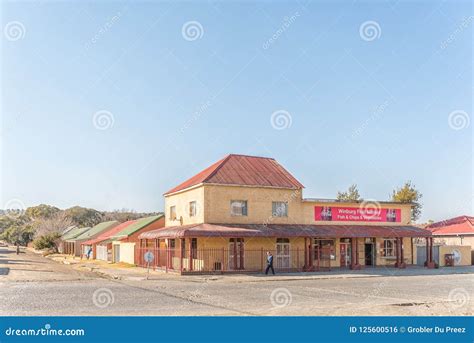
[
  {"x": 458, "y": 231},
  {"x": 227, "y": 217}
]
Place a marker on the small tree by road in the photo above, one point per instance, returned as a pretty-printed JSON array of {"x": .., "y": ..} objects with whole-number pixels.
[{"x": 408, "y": 194}]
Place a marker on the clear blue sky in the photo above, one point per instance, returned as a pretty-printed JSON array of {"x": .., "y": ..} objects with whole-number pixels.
[{"x": 371, "y": 110}]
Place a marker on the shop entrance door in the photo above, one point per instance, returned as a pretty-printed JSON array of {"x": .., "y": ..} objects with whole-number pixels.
[
  {"x": 345, "y": 253},
  {"x": 236, "y": 245},
  {"x": 283, "y": 255},
  {"x": 369, "y": 254}
]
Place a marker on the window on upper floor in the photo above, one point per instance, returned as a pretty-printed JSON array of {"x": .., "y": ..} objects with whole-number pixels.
[
  {"x": 238, "y": 207},
  {"x": 279, "y": 209},
  {"x": 172, "y": 212},
  {"x": 192, "y": 209}
]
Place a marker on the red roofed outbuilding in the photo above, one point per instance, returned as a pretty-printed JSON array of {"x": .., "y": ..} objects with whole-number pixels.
[
  {"x": 101, "y": 249},
  {"x": 454, "y": 231}
]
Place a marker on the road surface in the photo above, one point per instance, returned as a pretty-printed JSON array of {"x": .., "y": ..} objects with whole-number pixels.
[{"x": 33, "y": 285}]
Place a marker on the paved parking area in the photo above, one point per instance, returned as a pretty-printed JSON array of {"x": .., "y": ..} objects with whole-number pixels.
[{"x": 38, "y": 286}]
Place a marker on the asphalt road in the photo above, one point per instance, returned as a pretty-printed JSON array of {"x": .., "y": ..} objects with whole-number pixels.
[{"x": 33, "y": 285}]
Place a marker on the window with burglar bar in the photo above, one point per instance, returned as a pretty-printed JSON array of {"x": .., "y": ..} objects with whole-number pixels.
[
  {"x": 192, "y": 209},
  {"x": 279, "y": 209},
  {"x": 325, "y": 247},
  {"x": 389, "y": 247},
  {"x": 173, "y": 212},
  {"x": 238, "y": 207}
]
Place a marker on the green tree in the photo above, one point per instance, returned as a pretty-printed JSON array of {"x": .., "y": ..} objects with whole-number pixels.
[
  {"x": 18, "y": 234},
  {"x": 408, "y": 194},
  {"x": 6, "y": 222},
  {"x": 42, "y": 211},
  {"x": 84, "y": 216},
  {"x": 352, "y": 194},
  {"x": 124, "y": 214}
]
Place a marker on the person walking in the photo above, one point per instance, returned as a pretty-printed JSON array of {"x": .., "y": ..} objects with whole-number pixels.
[
  {"x": 269, "y": 263},
  {"x": 89, "y": 253}
]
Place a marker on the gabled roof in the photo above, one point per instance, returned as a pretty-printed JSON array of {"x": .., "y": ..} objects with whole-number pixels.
[
  {"x": 245, "y": 171},
  {"x": 135, "y": 226},
  {"x": 97, "y": 230},
  {"x": 109, "y": 233},
  {"x": 69, "y": 228},
  {"x": 453, "y": 226},
  {"x": 74, "y": 232}
]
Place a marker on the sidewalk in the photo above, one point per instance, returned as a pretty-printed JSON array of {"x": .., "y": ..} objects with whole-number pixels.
[{"x": 122, "y": 271}]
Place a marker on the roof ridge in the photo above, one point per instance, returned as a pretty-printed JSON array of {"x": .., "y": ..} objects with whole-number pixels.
[
  {"x": 243, "y": 155},
  {"x": 451, "y": 221},
  {"x": 286, "y": 173},
  {"x": 223, "y": 161}
]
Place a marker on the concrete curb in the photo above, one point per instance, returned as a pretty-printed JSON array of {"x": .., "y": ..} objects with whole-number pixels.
[{"x": 141, "y": 275}]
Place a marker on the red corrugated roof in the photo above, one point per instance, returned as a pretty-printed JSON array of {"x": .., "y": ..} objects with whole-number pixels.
[
  {"x": 243, "y": 170},
  {"x": 107, "y": 234},
  {"x": 285, "y": 231},
  {"x": 453, "y": 226}
]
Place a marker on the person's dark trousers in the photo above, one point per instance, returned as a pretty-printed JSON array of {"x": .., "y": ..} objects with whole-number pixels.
[{"x": 270, "y": 266}]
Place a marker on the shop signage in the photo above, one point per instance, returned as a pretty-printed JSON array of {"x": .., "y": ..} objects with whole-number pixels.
[{"x": 357, "y": 214}]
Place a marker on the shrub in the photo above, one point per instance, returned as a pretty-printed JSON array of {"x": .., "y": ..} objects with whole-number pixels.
[{"x": 47, "y": 241}]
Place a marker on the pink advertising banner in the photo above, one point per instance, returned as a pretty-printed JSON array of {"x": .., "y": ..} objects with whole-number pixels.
[{"x": 357, "y": 214}]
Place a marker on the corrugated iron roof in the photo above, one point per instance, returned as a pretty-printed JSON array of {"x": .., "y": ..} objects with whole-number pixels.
[
  {"x": 243, "y": 170},
  {"x": 109, "y": 233},
  {"x": 285, "y": 231},
  {"x": 453, "y": 226},
  {"x": 134, "y": 227},
  {"x": 96, "y": 230},
  {"x": 73, "y": 233}
]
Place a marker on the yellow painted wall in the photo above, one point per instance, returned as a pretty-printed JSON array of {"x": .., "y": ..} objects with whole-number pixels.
[
  {"x": 181, "y": 200},
  {"x": 463, "y": 250},
  {"x": 213, "y": 202},
  {"x": 216, "y": 249},
  {"x": 453, "y": 240},
  {"x": 127, "y": 252},
  {"x": 390, "y": 261},
  {"x": 259, "y": 204}
]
